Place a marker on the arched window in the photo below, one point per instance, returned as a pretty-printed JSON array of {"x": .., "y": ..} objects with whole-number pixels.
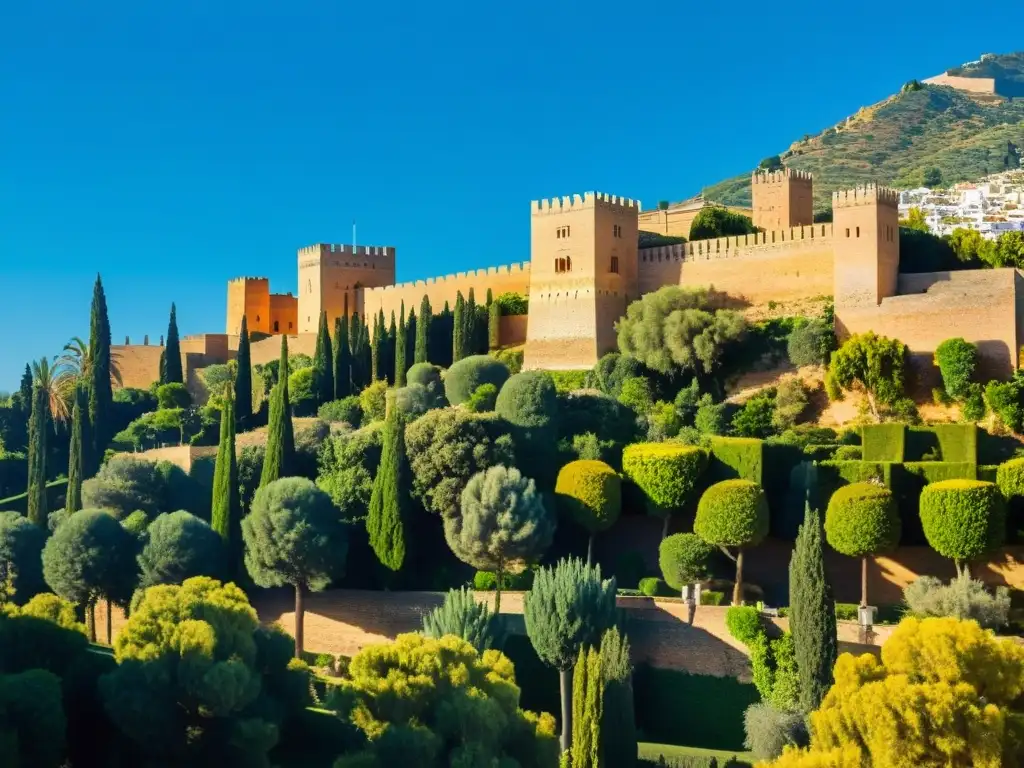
[{"x": 615, "y": 265}]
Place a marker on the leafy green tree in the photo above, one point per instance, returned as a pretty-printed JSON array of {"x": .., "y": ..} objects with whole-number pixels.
[
  {"x": 502, "y": 520},
  {"x": 773, "y": 163},
  {"x": 226, "y": 515},
  {"x": 590, "y": 494},
  {"x": 862, "y": 521},
  {"x": 323, "y": 364},
  {"x": 733, "y": 514},
  {"x": 932, "y": 177},
  {"x": 568, "y": 608},
  {"x": 373, "y": 401},
  {"x": 33, "y": 723},
  {"x": 637, "y": 394},
  {"x": 713, "y": 221},
  {"x": 434, "y": 703},
  {"x": 915, "y": 220},
  {"x": 461, "y": 615},
  {"x": 388, "y": 514},
  {"x": 178, "y": 545},
  {"x": 811, "y": 342},
  {"x": 956, "y": 360},
  {"x": 963, "y": 519},
  {"x": 101, "y": 394},
  {"x": 172, "y": 373},
  {"x": 302, "y": 392},
  {"x": 684, "y": 559},
  {"x": 37, "y": 432},
  {"x": 400, "y": 353},
  {"x": 447, "y": 447},
  {"x": 423, "y": 331},
  {"x": 679, "y": 330},
  {"x": 1006, "y": 399},
  {"x": 91, "y": 556},
  {"x": 243, "y": 379},
  {"x": 875, "y": 364},
  {"x": 174, "y": 395},
  {"x": 21, "y": 548},
  {"x": 528, "y": 402},
  {"x": 279, "y": 460},
  {"x": 342, "y": 359},
  {"x": 198, "y": 681},
  {"x": 618, "y": 723},
  {"x": 757, "y": 416},
  {"x": 812, "y": 614},
  {"x": 587, "y": 707},
  {"x": 348, "y": 466},
  {"x": 666, "y": 473},
  {"x": 467, "y": 374},
  {"x": 123, "y": 485},
  {"x": 1009, "y": 250},
  {"x": 294, "y": 536},
  {"x": 76, "y": 457}
]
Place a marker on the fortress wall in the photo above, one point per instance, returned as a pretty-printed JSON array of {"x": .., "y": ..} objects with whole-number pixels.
[
  {"x": 677, "y": 221},
  {"x": 139, "y": 363},
  {"x": 265, "y": 350},
  {"x": 782, "y": 265},
  {"x": 284, "y": 313},
  {"x": 978, "y": 305},
  {"x": 514, "y": 277},
  {"x": 562, "y": 328},
  {"x": 512, "y": 330},
  {"x": 972, "y": 84}
]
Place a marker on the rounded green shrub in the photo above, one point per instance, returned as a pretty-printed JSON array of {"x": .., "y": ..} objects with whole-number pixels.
[
  {"x": 847, "y": 453},
  {"x": 732, "y": 513},
  {"x": 963, "y": 519},
  {"x": 667, "y": 473},
  {"x": 345, "y": 410},
  {"x": 862, "y": 519},
  {"x": 590, "y": 492},
  {"x": 1010, "y": 478},
  {"x": 173, "y": 395},
  {"x": 469, "y": 373},
  {"x": 528, "y": 400},
  {"x": 684, "y": 558},
  {"x": 744, "y": 623},
  {"x": 425, "y": 374},
  {"x": 652, "y": 586}
]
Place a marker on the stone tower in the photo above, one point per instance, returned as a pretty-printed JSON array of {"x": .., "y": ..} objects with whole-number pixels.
[
  {"x": 583, "y": 274},
  {"x": 249, "y": 296},
  {"x": 327, "y": 273},
  {"x": 782, "y": 199},
  {"x": 866, "y": 246}
]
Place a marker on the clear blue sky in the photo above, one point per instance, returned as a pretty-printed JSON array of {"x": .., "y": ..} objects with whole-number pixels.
[{"x": 173, "y": 149}]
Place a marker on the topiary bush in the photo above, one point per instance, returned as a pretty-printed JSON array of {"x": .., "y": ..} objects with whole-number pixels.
[
  {"x": 862, "y": 520},
  {"x": 684, "y": 559},
  {"x": 590, "y": 493},
  {"x": 963, "y": 519},
  {"x": 744, "y": 623},
  {"x": 733, "y": 513},
  {"x": 482, "y": 400},
  {"x": 666, "y": 473},
  {"x": 466, "y": 376},
  {"x": 652, "y": 586},
  {"x": 956, "y": 360}
]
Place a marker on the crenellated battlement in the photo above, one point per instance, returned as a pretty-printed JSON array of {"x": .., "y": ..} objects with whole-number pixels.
[
  {"x": 777, "y": 177},
  {"x": 867, "y": 194},
  {"x": 249, "y": 280},
  {"x": 519, "y": 268},
  {"x": 737, "y": 245},
  {"x": 579, "y": 203},
  {"x": 323, "y": 250}
]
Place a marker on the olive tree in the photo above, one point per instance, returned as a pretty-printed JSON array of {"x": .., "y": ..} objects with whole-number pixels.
[
  {"x": 862, "y": 521},
  {"x": 568, "y": 608},
  {"x": 295, "y": 536},
  {"x": 873, "y": 364},
  {"x": 733, "y": 515},
  {"x": 502, "y": 520},
  {"x": 963, "y": 519}
]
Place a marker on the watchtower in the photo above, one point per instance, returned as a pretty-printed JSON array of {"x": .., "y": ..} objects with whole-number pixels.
[
  {"x": 329, "y": 273},
  {"x": 866, "y": 245},
  {"x": 583, "y": 273},
  {"x": 782, "y": 199},
  {"x": 249, "y": 297}
]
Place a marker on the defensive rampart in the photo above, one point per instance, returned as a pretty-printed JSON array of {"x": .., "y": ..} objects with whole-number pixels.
[
  {"x": 514, "y": 277},
  {"x": 971, "y": 84},
  {"x": 781, "y": 265}
]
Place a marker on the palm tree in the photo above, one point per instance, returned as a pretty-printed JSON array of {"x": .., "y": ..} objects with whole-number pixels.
[
  {"x": 47, "y": 378},
  {"x": 73, "y": 366}
]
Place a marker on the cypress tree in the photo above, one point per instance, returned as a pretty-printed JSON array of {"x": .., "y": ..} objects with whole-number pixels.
[
  {"x": 25, "y": 392},
  {"x": 410, "y": 337},
  {"x": 279, "y": 459},
  {"x": 587, "y": 699},
  {"x": 243, "y": 379},
  {"x": 37, "y": 510},
  {"x": 226, "y": 507},
  {"x": 459, "y": 329},
  {"x": 172, "y": 352},
  {"x": 618, "y": 724},
  {"x": 469, "y": 332},
  {"x": 323, "y": 364},
  {"x": 391, "y": 350},
  {"x": 355, "y": 340},
  {"x": 73, "y": 501},
  {"x": 812, "y": 614},
  {"x": 342, "y": 359},
  {"x": 385, "y": 522},
  {"x": 400, "y": 366},
  {"x": 423, "y": 332},
  {"x": 101, "y": 394},
  {"x": 377, "y": 346},
  {"x": 365, "y": 359},
  {"x": 494, "y": 325}
]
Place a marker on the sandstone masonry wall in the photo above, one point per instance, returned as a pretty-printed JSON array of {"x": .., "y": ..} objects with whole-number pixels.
[{"x": 971, "y": 84}]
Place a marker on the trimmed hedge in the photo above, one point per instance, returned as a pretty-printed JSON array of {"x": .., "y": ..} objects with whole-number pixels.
[
  {"x": 963, "y": 519},
  {"x": 883, "y": 442},
  {"x": 862, "y": 519},
  {"x": 732, "y": 513},
  {"x": 737, "y": 457},
  {"x": 590, "y": 492},
  {"x": 1010, "y": 478},
  {"x": 667, "y": 473},
  {"x": 947, "y": 442}
]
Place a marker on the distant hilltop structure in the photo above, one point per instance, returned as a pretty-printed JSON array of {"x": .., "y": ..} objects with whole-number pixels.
[
  {"x": 992, "y": 75},
  {"x": 586, "y": 267}
]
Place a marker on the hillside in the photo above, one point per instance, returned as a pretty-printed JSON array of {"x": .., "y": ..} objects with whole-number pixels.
[{"x": 894, "y": 141}]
